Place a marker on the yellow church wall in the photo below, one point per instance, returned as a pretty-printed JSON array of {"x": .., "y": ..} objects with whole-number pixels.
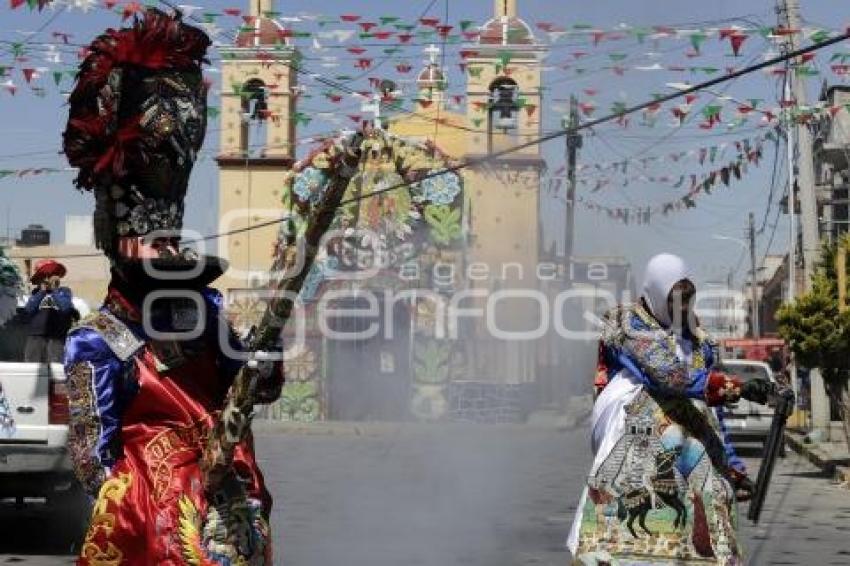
[{"x": 248, "y": 197}]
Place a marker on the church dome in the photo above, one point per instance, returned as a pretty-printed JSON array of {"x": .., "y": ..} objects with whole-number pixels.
[
  {"x": 506, "y": 30},
  {"x": 263, "y": 32},
  {"x": 432, "y": 77}
]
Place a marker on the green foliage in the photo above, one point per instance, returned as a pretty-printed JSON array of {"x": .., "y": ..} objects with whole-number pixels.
[
  {"x": 818, "y": 334},
  {"x": 444, "y": 222},
  {"x": 431, "y": 363},
  {"x": 299, "y": 402}
]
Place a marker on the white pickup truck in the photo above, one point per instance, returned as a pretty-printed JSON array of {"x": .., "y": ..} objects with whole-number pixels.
[{"x": 34, "y": 461}]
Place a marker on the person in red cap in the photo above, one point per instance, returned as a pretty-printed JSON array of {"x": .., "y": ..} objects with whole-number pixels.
[{"x": 50, "y": 312}]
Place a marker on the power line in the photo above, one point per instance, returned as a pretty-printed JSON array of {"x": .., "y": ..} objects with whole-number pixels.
[{"x": 558, "y": 134}]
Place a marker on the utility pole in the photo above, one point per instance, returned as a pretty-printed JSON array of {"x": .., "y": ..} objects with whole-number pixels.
[
  {"x": 789, "y": 17},
  {"x": 574, "y": 143},
  {"x": 755, "y": 326}
]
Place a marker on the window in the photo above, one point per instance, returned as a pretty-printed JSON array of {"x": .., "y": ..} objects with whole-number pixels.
[
  {"x": 255, "y": 114},
  {"x": 503, "y": 109}
]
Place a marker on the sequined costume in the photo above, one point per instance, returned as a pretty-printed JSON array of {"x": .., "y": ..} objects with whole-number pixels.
[
  {"x": 662, "y": 487},
  {"x": 141, "y": 410},
  {"x": 144, "y": 387}
]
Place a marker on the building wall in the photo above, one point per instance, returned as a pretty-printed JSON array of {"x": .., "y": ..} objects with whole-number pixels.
[
  {"x": 87, "y": 277},
  {"x": 248, "y": 195}
]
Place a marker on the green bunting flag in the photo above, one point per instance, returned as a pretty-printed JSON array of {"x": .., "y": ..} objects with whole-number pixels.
[{"x": 697, "y": 40}]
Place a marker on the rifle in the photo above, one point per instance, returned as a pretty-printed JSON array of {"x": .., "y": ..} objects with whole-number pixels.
[
  {"x": 784, "y": 405},
  {"x": 234, "y": 423}
]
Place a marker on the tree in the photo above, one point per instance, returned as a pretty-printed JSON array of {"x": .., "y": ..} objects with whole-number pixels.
[{"x": 819, "y": 334}]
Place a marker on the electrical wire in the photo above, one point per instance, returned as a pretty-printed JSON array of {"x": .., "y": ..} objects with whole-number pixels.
[{"x": 484, "y": 160}]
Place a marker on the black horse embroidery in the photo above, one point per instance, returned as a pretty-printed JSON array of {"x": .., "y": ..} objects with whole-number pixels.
[{"x": 637, "y": 503}]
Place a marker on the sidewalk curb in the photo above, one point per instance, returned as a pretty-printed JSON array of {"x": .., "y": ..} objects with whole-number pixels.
[{"x": 810, "y": 452}]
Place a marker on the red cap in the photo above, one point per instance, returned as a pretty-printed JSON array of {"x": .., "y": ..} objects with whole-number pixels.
[{"x": 45, "y": 268}]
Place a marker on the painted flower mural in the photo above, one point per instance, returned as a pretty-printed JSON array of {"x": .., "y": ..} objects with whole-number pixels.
[
  {"x": 440, "y": 189},
  {"x": 309, "y": 183},
  {"x": 301, "y": 363}
]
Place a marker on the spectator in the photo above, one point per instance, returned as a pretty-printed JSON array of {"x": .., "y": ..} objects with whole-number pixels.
[{"x": 50, "y": 313}]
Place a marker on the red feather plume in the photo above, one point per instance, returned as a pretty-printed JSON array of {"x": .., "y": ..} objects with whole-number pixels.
[{"x": 94, "y": 141}]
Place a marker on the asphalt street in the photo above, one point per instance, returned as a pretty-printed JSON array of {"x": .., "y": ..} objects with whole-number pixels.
[{"x": 444, "y": 495}]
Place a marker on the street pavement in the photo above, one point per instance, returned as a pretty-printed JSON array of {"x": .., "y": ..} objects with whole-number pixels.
[{"x": 445, "y": 495}]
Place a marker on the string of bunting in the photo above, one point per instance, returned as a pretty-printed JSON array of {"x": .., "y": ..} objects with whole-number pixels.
[{"x": 700, "y": 186}]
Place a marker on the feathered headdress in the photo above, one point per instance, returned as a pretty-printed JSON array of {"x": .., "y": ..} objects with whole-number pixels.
[
  {"x": 99, "y": 140},
  {"x": 137, "y": 120}
]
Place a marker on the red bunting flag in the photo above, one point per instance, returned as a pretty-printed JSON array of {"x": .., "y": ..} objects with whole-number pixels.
[
  {"x": 349, "y": 17},
  {"x": 235, "y": 12},
  {"x": 366, "y": 26},
  {"x": 680, "y": 113},
  {"x": 782, "y": 30},
  {"x": 28, "y": 74},
  {"x": 737, "y": 40}
]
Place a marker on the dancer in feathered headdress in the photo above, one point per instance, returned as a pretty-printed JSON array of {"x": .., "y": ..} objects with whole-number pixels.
[{"x": 147, "y": 377}]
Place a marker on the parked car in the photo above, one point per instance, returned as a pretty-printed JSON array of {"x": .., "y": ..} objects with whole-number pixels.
[
  {"x": 747, "y": 421},
  {"x": 34, "y": 461}
]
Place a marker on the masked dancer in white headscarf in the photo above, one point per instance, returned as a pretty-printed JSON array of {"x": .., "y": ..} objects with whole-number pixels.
[{"x": 664, "y": 481}]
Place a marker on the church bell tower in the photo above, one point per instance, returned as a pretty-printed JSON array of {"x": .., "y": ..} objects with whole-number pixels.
[
  {"x": 258, "y": 98},
  {"x": 504, "y": 110}
]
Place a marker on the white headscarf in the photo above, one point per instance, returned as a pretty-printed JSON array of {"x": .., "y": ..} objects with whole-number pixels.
[{"x": 662, "y": 273}]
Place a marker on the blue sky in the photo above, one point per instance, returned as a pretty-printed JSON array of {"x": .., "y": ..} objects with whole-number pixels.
[{"x": 31, "y": 125}]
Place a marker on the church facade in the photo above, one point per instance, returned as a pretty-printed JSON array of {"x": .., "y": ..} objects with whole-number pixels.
[{"x": 483, "y": 368}]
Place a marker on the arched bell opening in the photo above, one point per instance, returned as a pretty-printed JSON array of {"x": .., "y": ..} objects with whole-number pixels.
[
  {"x": 503, "y": 110},
  {"x": 255, "y": 115}
]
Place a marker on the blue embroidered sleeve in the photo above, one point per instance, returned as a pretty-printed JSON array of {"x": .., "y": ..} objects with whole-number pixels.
[
  {"x": 732, "y": 457},
  {"x": 676, "y": 379},
  {"x": 95, "y": 387}
]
